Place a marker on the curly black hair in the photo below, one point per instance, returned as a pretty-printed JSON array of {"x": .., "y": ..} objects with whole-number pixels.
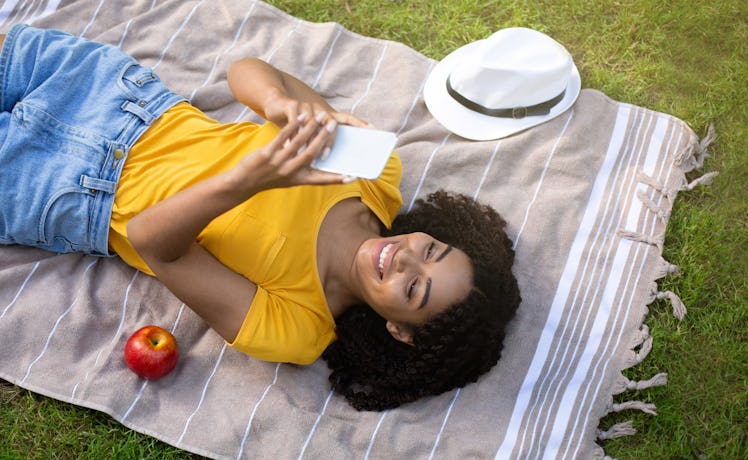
[{"x": 376, "y": 372}]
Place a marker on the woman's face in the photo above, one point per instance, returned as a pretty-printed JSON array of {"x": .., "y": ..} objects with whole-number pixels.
[{"x": 408, "y": 279}]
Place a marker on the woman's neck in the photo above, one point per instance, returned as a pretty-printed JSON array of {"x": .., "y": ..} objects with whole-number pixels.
[{"x": 345, "y": 227}]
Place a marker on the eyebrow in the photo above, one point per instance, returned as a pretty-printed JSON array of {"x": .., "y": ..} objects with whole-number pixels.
[
  {"x": 444, "y": 253},
  {"x": 428, "y": 281},
  {"x": 426, "y": 294}
]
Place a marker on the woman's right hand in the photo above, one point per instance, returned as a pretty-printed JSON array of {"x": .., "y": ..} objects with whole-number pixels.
[{"x": 286, "y": 160}]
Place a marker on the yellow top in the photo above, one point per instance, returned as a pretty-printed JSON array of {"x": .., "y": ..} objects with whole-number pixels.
[{"x": 271, "y": 238}]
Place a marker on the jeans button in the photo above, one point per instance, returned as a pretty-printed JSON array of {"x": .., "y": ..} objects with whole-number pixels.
[{"x": 119, "y": 154}]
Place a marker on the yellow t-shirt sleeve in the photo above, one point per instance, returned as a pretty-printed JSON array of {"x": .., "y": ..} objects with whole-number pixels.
[
  {"x": 382, "y": 196},
  {"x": 278, "y": 330}
]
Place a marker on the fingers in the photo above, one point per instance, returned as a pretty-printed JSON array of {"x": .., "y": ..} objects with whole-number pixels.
[
  {"x": 301, "y": 142},
  {"x": 350, "y": 119},
  {"x": 317, "y": 177},
  {"x": 288, "y": 110},
  {"x": 315, "y": 138},
  {"x": 286, "y": 160},
  {"x": 326, "y": 122},
  {"x": 331, "y": 126},
  {"x": 280, "y": 147},
  {"x": 299, "y": 108}
]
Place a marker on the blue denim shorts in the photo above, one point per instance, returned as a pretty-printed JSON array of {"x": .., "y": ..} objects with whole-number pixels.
[{"x": 70, "y": 110}]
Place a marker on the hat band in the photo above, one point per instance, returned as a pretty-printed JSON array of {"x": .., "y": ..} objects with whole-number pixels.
[{"x": 542, "y": 108}]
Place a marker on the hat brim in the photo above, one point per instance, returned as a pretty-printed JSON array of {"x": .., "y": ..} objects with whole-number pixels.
[{"x": 476, "y": 126}]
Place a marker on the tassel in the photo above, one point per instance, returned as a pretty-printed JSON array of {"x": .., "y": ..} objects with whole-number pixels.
[
  {"x": 646, "y": 179},
  {"x": 696, "y": 153},
  {"x": 599, "y": 454},
  {"x": 665, "y": 269},
  {"x": 648, "y": 408},
  {"x": 657, "y": 381},
  {"x": 633, "y": 358},
  {"x": 653, "y": 291},
  {"x": 644, "y": 350},
  {"x": 639, "y": 339},
  {"x": 679, "y": 309},
  {"x": 618, "y": 430},
  {"x": 639, "y": 336},
  {"x": 624, "y": 384},
  {"x": 711, "y": 135},
  {"x": 654, "y": 240},
  {"x": 686, "y": 155},
  {"x": 652, "y": 206},
  {"x": 706, "y": 179},
  {"x": 621, "y": 384}
]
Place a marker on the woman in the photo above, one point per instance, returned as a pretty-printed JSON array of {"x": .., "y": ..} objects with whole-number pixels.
[{"x": 98, "y": 156}]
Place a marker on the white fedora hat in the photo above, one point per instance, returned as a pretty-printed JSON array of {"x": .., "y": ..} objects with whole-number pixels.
[{"x": 515, "y": 79}]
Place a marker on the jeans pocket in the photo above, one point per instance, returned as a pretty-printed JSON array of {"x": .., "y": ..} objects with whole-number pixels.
[
  {"x": 64, "y": 223},
  {"x": 45, "y": 164}
]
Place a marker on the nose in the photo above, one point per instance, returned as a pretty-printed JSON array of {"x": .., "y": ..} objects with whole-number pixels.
[{"x": 404, "y": 259}]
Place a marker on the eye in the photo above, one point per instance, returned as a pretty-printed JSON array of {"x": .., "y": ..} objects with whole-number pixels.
[
  {"x": 430, "y": 251},
  {"x": 412, "y": 288}
]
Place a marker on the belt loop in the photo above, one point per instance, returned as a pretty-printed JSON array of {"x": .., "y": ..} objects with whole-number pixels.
[
  {"x": 139, "y": 111},
  {"x": 92, "y": 183}
]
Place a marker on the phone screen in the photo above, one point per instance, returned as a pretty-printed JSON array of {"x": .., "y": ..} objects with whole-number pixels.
[{"x": 358, "y": 152}]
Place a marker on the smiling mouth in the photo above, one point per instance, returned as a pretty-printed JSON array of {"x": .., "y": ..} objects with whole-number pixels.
[{"x": 383, "y": 257}]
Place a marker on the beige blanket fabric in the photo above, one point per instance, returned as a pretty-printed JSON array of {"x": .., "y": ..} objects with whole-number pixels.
[{"x": 587, "y": 197}]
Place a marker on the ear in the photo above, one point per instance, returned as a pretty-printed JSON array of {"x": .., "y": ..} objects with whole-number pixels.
[{"x": 400, "y": 332}]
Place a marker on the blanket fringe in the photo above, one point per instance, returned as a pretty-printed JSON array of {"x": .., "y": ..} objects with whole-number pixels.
[
  {"x": 706, "y": 179},
  {"x": 662, "y": 210},
  {"x": 656, "y": 197},
  {"x": 679, "y": 309},
  {"x": 618, "y": 430},
  {"x": 665, "y": 268},
  {"x": 646, "y": 179},
  {"x": 640, "y": 336},
  {"x": 647, "y": 408},
  {"x": 658, "y": 210},
  {"x": 643, "y": 341},
  {"x": 635, "y": 357},
  {"x": 694, "y": 156},
  {"x": 624, "y": 384},
  {"x": 638, "y": 237}
]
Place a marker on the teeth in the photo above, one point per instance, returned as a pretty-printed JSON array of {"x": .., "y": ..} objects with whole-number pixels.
[{"x": 382, "y": 256}]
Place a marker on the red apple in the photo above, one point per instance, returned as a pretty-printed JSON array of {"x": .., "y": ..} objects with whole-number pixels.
[{"x": 151, "y": 352}]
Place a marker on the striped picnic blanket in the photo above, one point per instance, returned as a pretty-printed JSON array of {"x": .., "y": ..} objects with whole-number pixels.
[{"x": 586, "y": 196}]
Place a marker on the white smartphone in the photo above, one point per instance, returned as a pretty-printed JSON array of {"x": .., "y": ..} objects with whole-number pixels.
[{"x": 358, "y": 152}]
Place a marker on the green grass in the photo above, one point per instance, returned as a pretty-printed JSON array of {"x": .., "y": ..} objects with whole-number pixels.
[
  {"x": 687, "y": 58},
  {"x": 36, "y": 427}
]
